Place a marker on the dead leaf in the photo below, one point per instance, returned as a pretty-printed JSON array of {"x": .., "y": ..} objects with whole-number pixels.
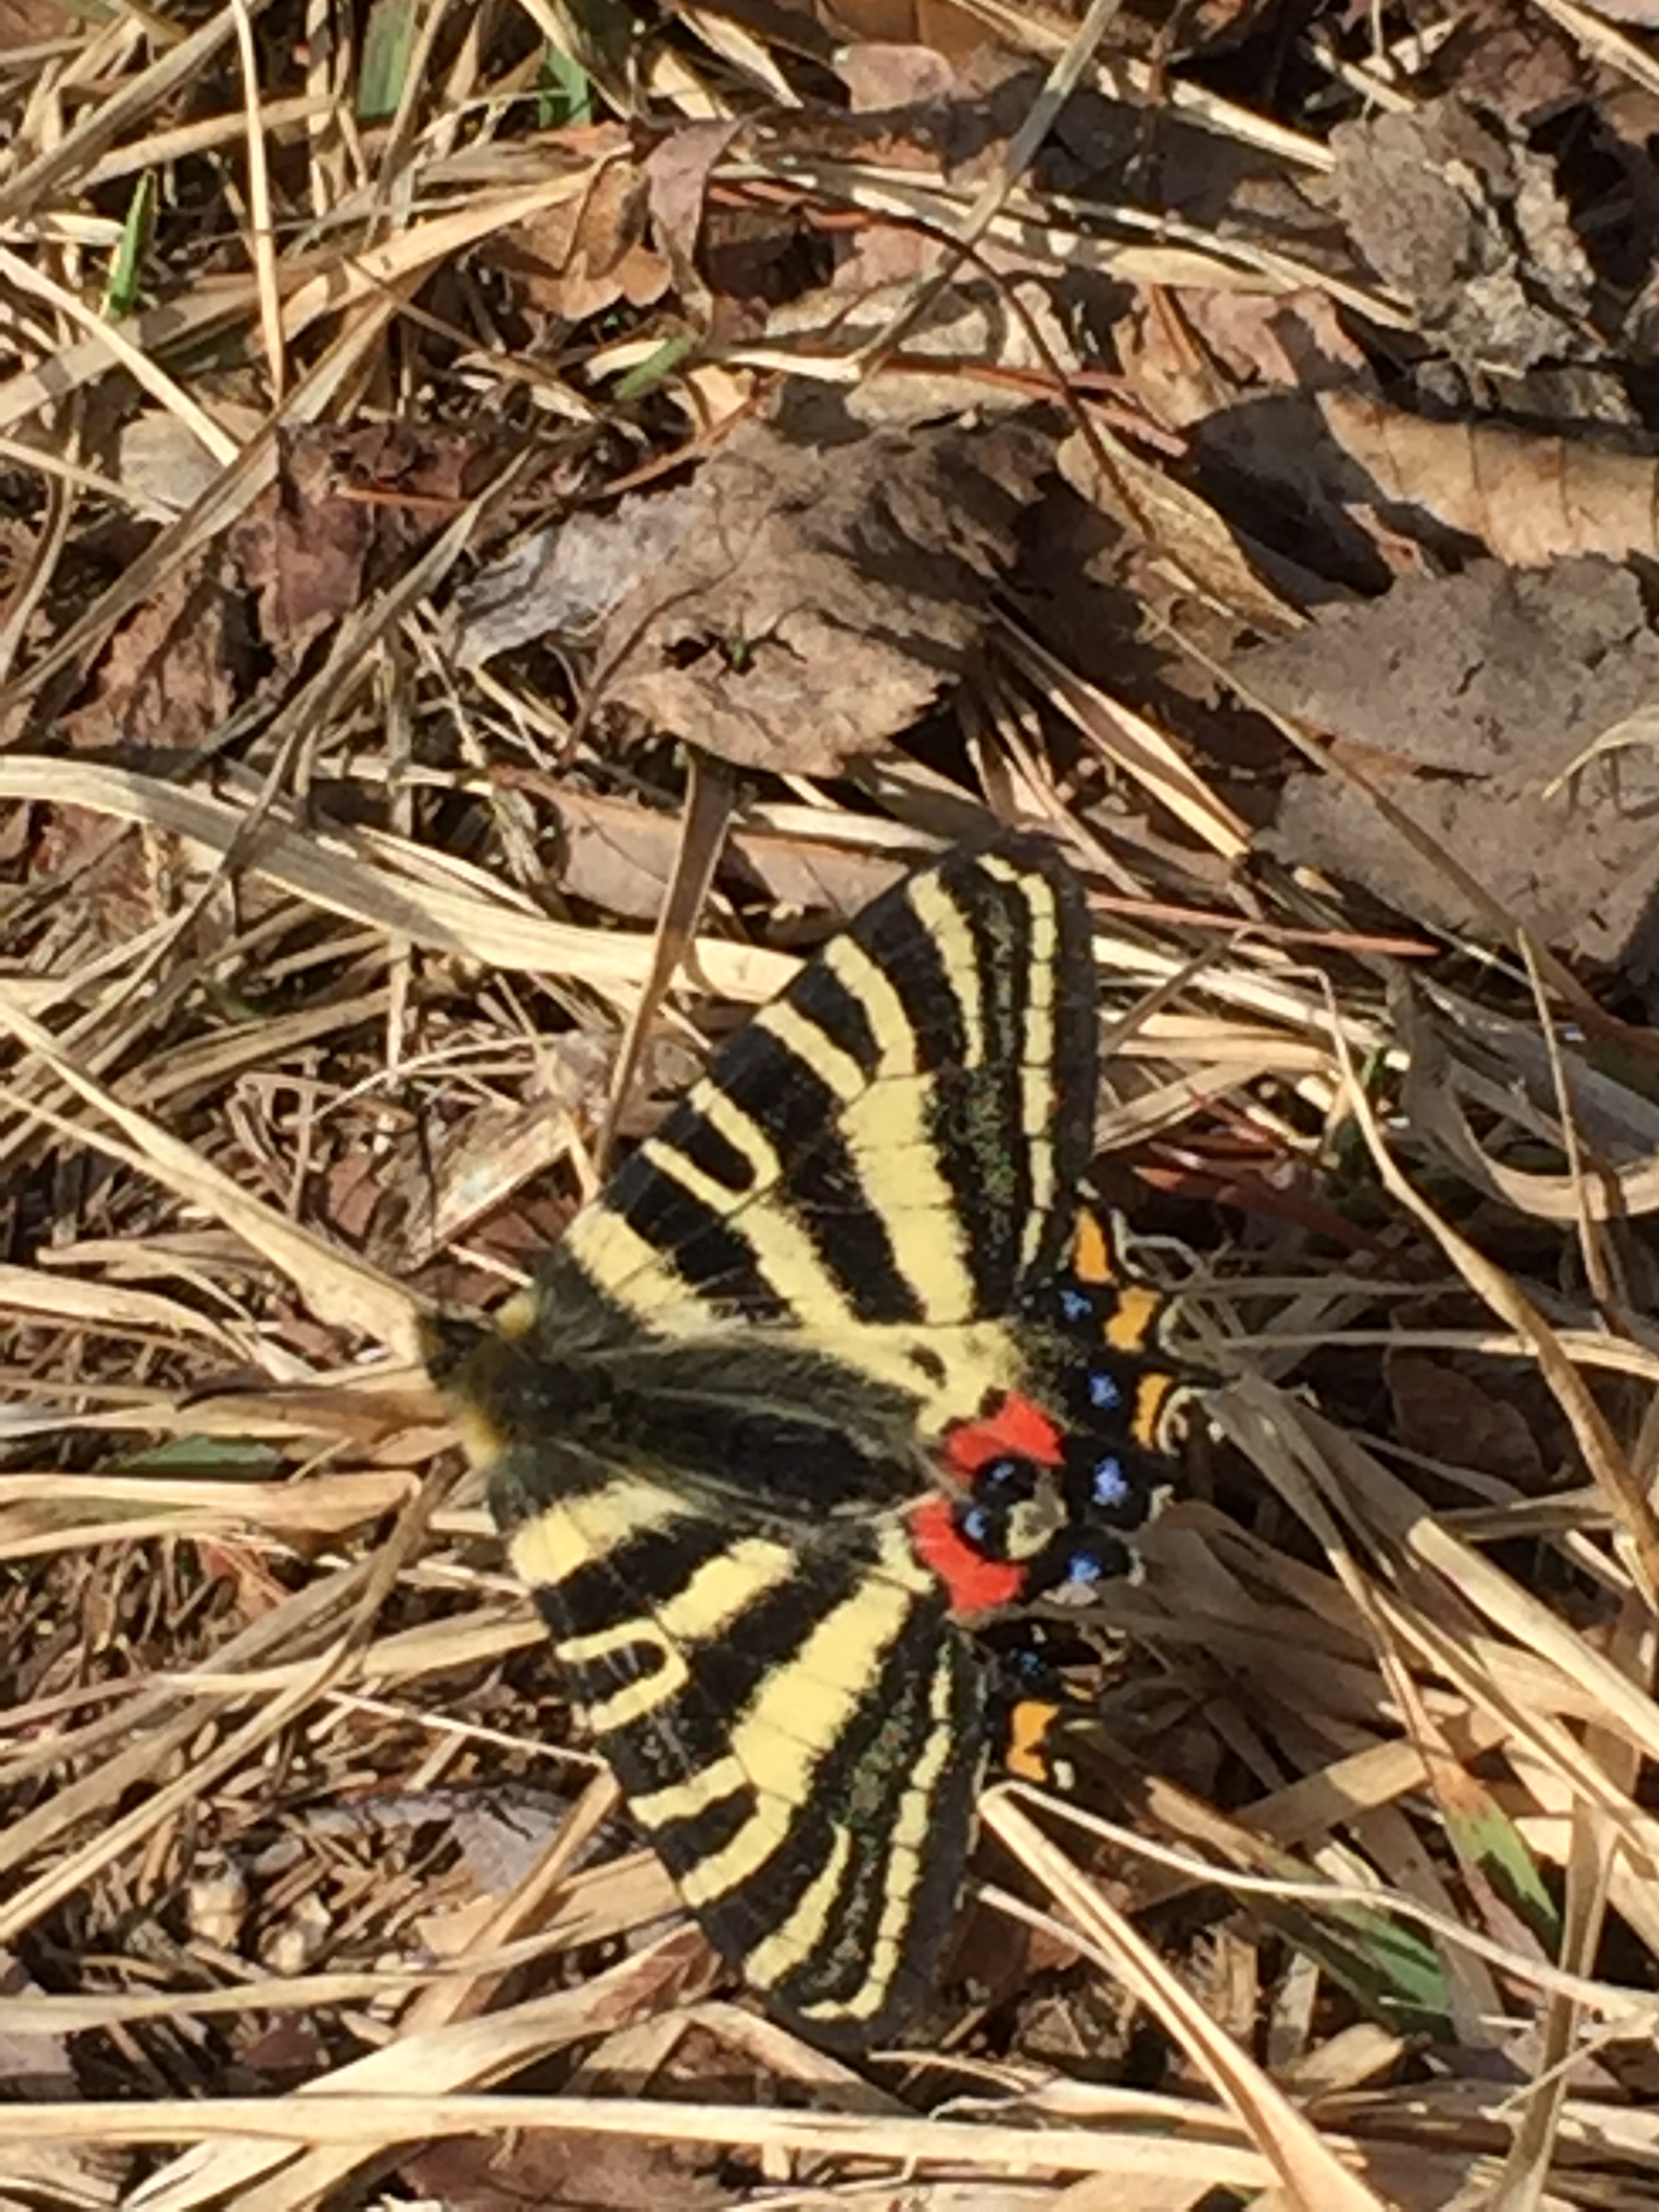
[
  {"x": 34, "y": 23},
  {"x": 1177, "y": 522},
  {"x": 620, "y": 856},
  {"x": 1529, "y": 499},
  {"x": 1295, "y": 340},
  {"x": 347, "y": 507},
  {"x": 950, "y": 27},
  {"x": 580, "y": 2172},
  {"x": 805, "y": 597},
  {"x": 170, "y": 675},
  {"x": 676, "y": 180},
  {"x": 1512, "y": 60},
  {"x": 163, "y": 462},
  {"x": 34, "y": 2062},
  {"x": 881, "y": 76},
  {"x": 1448, "y": 1415},
  {"x": 494, "y": 1149},
  {"x": 573, "y": 261},
  {"x": 1467, "y": 697}
]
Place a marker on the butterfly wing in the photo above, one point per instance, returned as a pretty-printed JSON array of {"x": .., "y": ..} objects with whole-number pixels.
[
  {"x": 797, "y": 1724},
  {"x": 895, "y": 1140}
]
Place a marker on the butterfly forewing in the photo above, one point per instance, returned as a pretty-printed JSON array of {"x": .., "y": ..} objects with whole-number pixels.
[{"x": 706, "y": 1424}]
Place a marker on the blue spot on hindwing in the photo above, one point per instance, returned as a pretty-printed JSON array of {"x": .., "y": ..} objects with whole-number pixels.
[
  {"x": 1104, "y": 1395},
  {"x": 1109, "y": 1485},
  {"x": 1075, "y": 1305},
  {"x": 976, "y": 1524}
]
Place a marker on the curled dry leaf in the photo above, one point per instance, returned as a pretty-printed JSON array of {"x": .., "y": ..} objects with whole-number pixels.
[
  {"x": 1175, "y": 522},
  {"x": 1530, "y": 499},
  {"x": 804, "y": 598},
  {"x": 582, "y": 256}
]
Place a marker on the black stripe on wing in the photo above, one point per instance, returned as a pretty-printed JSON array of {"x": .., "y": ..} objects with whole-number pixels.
[
  {"x": 819, "y": 1186},
  {"x": 901, "y": 1785}
]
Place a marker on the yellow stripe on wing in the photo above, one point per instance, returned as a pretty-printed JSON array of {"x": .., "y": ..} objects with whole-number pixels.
[
  {"x": 1039, "y": 1102},
  {"x": 902, "y": 1848},
  {"x": 795, "y": 1720},
  {"x": 898, "y": 1164}
]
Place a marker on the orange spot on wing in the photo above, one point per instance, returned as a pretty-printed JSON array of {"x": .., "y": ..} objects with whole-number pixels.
[
  {"x": 1027, "y": 1754},
  {"x": 1132, "y": 1325},
  {"x": 1153, "y": 1395},
  {"x": 1092, "y": 1255}
]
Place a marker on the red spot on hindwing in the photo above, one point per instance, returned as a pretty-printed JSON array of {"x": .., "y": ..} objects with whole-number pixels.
[
  {"x": 972, "y": 1583},
  {"x": 1017, "y": 1430}
]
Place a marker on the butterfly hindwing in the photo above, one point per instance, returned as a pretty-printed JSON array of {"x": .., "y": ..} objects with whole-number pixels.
[
  {"x": 897, "y": 1138},
  {"x": 718, "y": 1426}
]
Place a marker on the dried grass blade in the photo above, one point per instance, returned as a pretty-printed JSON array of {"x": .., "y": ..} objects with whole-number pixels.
[
  {"x": 345, "y": 1292},
  {"x": 1310, "y": 2175}
]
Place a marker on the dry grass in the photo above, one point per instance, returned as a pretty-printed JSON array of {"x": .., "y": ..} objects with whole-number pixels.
[{"x": 296, "y": 1868}]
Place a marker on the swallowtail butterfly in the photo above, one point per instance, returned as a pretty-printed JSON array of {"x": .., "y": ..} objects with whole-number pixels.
[{"x": 839, "y": 1366}]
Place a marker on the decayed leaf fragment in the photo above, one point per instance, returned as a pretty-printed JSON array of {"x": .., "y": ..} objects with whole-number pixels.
[{"x": 1466, "y": 224}]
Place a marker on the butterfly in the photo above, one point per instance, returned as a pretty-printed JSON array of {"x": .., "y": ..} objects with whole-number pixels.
[{"x": 840, "y": 1366}]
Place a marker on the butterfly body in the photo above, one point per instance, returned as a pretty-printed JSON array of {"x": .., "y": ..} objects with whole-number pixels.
[{"x": 839, "y": 1364}]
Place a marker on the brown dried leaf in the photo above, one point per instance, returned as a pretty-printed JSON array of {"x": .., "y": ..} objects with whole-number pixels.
[
  {"x": 1294, "y": 341},
  {"x": 347, "y": 507},
  {"x": 34, "y": 23},
  {"x": 1177, "y": 522},
  {"x": 828, "y": 594},
  {"x": 169, "y": 677},
  {"x": 804, "y": 600},
  {"x": 607, "y": 2174},
  {"x": 1467, "y": 698},
  {"x": 948, "y": 26},
  {"x": 1448, "y": 1415},
  {"x": 676, "y": 180},
  {"x": 881, "y": 76},
  {"x": 1435, "y": 201},
  {"x": 1513, "y": 60},
  {"x": 575, "y": 260}
]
